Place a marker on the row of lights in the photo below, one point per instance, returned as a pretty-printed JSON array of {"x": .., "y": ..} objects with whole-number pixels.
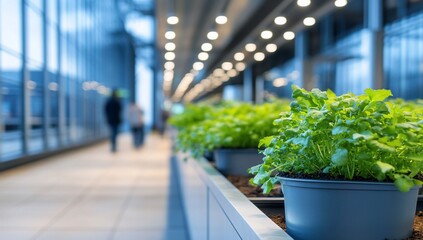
[
  {"x": 270, "y": 47},
  {"x": 199, "y": 65},
  {"x": 169, "y": 55}
]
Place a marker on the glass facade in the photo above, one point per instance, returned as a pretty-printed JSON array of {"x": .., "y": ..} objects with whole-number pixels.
[
  {"x": 59, "y": 61},
  {"x": 340, "y": 49}
]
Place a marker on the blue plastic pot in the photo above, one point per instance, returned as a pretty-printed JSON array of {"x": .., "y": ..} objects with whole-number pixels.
[
  {"x": 344, "y": 210},
  {"x": 236, "y": 161}
]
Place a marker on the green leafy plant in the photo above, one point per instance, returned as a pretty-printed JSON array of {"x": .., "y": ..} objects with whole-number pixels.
[
  {"x": 344, "y": 137},
  {"x": 231, "y": 125}
]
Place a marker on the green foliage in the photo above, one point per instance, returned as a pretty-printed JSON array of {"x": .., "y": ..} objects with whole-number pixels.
[
  {"x": 192, "y": 114},
  {"x": 229, "y": 125},
  {"x": 347, "y": 136}
]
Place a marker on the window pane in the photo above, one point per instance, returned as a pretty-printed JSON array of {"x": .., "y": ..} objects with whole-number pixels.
[
  {"x": 34, "y": 36},
  {"x": 10, "y": 106},
  {"x": 10, "y": 25},
  {"x": 35, "y": 87}
]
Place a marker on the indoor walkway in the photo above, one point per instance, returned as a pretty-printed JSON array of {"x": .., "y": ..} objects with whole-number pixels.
[{"x": 93, "y": 194}]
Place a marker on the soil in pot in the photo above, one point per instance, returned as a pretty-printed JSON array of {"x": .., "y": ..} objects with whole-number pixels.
[{"x": 243, "y": 185}]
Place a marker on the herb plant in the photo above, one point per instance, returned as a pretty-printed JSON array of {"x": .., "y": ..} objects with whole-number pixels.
[
  {"x": 344, "y": 137},
  {"x": 231, "y": 125}
]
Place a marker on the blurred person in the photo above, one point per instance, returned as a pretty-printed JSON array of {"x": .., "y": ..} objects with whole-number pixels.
[
  {"x": 113, "y": 109},
  {"x": 136, "y": 121}
]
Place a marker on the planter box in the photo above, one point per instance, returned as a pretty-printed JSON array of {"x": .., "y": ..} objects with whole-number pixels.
[
  {"x": 216, "y": 210},
  {"x": 236, "y": 161}
]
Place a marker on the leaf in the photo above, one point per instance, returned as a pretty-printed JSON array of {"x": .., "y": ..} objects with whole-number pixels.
[
  {"x": 339, "y": 130},
  {"x": 408, "y": 125},
  {"x": 416, "y": 157},
  {"x": 382, "y": 146},
  {"x": 366, "y": 135},
  {"x": 340, "y": 157},
  {"x": 377, "y": 95},
  {"x": 384, "y": 167},
  {"x": 330, "y": 94},
  {"x": 265, "y": 141},
  {"x": 403, "y": 183},
  {"x": 267, "y": 186}
]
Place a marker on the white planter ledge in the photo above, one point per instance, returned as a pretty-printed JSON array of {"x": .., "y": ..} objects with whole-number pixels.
[{"x": 215, "y": 209}]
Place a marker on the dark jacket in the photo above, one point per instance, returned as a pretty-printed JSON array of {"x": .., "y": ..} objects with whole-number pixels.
[{"x": 113, "y": 110}]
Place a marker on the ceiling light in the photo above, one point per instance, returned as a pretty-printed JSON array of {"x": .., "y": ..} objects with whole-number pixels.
[
  {"x": 250, "y": 47},
  {"x": 289, "y": 35},
  {"x": 218, "y": 72},
  {"x": 227, "y": 66},
  {"x": 309, "y": 21},
  {"x": 170, "y": 46},
  {"x": 212, "y": 35},
  {"x": 303, "y": 3},
  {"x": 259, "y": 56},
  {"x": 168, "y": 77},
  {"x": 170, "y": 35},
  {"x": 198, "y": 66},
  {"x": 203, "y": 56},
  {"x": 239, "y": 56},
  {"x": 341, "y": 3},
  {"x": 221, "y": 19},
  {"x": 232, "y": 73},
  {"x": 172, "y": 20},
  {"x": 206, "y": 47},
  {"x": 225, "y": 78},
  {"x": 266, "y": 34},
  {"x": 271, "y": 47},
  {"x": 240, "y": 66},
  {"x": 280, "y": 82},
  {"x": 280, "y": 20},
  {"x": 170, "y": 56},
  {"x": 169, "y": 65}
]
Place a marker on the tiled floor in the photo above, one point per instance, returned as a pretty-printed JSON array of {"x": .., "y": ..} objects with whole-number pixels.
[{"x": 93, "y": 194}]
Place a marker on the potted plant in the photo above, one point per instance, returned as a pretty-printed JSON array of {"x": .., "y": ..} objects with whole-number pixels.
[
  {"x": 350, "y": 166},
  {"x": 232, "y": 131}
]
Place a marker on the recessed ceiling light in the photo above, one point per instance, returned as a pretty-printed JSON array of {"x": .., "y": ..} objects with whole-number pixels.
[
  {"x": 280, "y": 82},
  {"x": 271, "y": 47},
  {"x": 289, "y": 35},
  {"x": 303, "y": 3},
  {"x": 227, "y": 66},
  {"x": 225, "y": 78},
  {"x": 221, "y": 19},
  {"x": 168, "y": 77},
  {"x": 172, "y": 20},
  {"x": 170, "y": 46},
  {"x": 280, "y": 20},
  {"x": 250, "y": 47},
  {"x": 169, "y": 65},
  {"x": 206, "y": 47},
  {"x": 212, "y": 35},
  {"x": 240, "y": 66},
  {"x": 239, "y": 56},
  {"x": 170, "y": 56},
  {"x": 198, "y": 66},
  {"x": 218, "y": 72},
  {"x": 259, "y": 56},
  {"x": 266, "y": 34},
  {"x": 341, "y": 3},
  {"x": 309, "y": 21},
  {"x": 170, "y": 35},
  {"x": 203, "y": 56},
  {"x": 232, "y": 73}
]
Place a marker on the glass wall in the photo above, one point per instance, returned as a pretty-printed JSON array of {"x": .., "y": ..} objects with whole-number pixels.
[
  {"x": 344, "y": 59},
  {"x": 59, "y": 61}
]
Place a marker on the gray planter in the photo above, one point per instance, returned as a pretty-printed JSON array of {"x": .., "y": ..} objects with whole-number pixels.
[
  {"x": 326, "y": 210},
  {"x": 236, "y": 161}
]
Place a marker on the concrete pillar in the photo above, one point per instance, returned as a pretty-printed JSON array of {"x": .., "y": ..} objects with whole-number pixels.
[{"x": 302, "y": 63}]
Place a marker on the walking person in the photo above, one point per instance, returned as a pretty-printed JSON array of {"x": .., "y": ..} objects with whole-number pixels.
[
  {"x": 136, "y": 121},
  {"x": 112, "y": 111}
]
